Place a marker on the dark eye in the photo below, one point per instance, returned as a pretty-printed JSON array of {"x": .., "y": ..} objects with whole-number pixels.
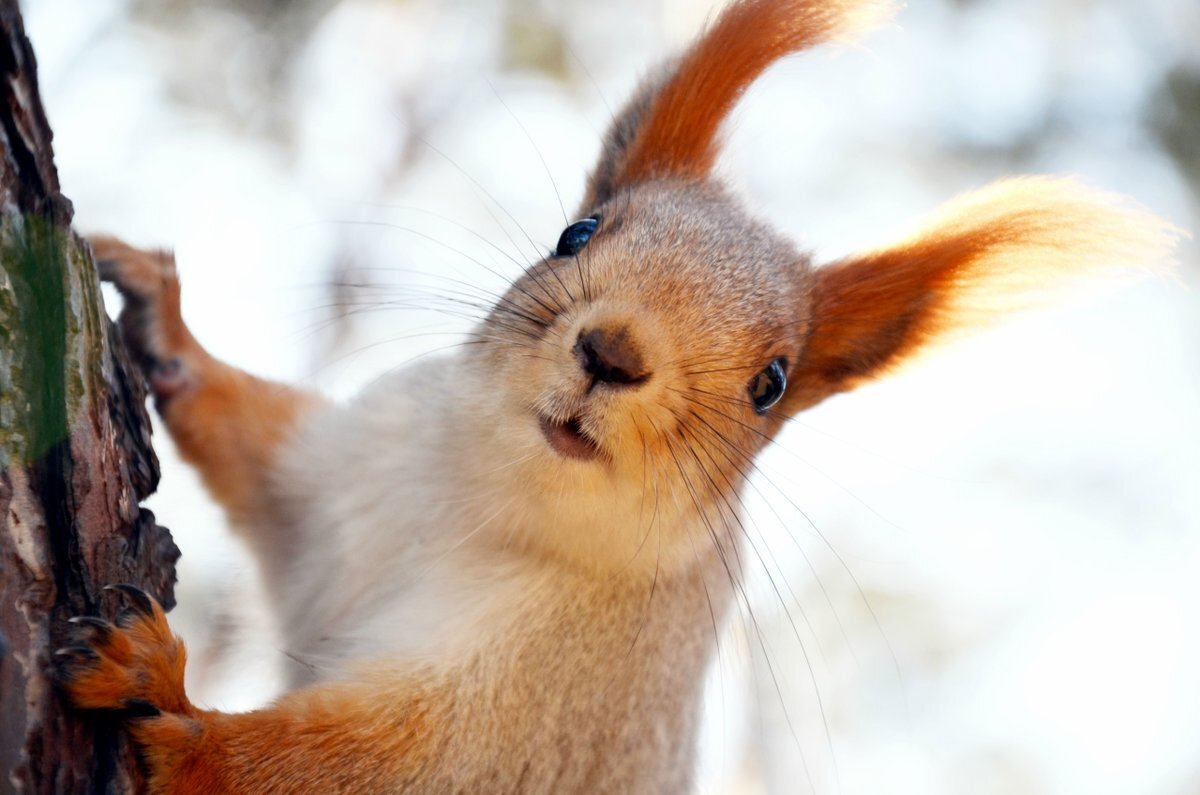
[
  {"x": 767, "y": 387},
  {"x": 576, "y": 236}
]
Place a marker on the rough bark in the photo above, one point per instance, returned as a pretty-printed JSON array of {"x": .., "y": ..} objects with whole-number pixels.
[{"x": 75, "y": 457}]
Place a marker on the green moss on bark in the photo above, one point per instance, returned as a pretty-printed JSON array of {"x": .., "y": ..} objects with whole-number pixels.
[{"x": 33, "y": 347}]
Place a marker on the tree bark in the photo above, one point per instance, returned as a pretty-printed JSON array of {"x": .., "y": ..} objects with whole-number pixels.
[{"x": 75, "y": 457}]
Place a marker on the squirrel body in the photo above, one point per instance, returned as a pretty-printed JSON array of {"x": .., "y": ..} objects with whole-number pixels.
[{"x": 505, "y": 569}]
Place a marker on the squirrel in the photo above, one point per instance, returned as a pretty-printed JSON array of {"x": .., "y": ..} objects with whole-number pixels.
[{"x": 505, "y": 566}]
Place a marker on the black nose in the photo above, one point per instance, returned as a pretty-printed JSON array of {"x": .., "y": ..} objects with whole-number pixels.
[{"x": 611, "y": 356}]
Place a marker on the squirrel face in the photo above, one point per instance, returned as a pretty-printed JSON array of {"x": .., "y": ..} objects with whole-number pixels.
[
  {"x": 637, "y": 372},
  {"x": 653, "y": 347}
]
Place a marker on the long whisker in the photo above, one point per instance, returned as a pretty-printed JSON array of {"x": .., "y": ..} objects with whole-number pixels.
[
  {"x": 703, "y": 580},
  {"x": 747, "y": 460},
  {"x": 736, "y": 515},
  {"x": 739, "y": 588},
  {"x": 862, "y": 595},
  {"x": 467, "y": 537},
  {"x": 554, "y": 308},
  {"x": 536, "y": 150},
  {"x": 485, "y": 192}
]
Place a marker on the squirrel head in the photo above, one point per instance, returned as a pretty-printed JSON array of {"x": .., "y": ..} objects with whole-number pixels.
[{"x": 666, "y": 341}]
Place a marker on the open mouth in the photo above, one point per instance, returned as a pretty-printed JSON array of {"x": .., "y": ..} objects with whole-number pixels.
[{"x": 568, "y": 439}]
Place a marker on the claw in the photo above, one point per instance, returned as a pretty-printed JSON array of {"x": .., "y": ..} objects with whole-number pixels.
[
  {"x": 139, "y": 601},
  {"x": 71, "y": 653},
  {"x": 99, "y": 626}
]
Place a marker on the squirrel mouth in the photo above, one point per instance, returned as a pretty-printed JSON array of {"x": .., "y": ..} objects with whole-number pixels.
[{"x": 568, "y": 439}]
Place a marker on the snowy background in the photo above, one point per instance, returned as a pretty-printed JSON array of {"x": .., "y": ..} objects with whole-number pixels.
[{"x": 985, "y": 570}]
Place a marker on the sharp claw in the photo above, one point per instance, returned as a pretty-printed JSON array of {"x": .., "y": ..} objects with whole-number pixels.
[
  {"x": 139, "y": 601},
  {"x": 139, "y": 708},
  {"x": 76, "y": 652},
  {"x": 101, "y": 627}
]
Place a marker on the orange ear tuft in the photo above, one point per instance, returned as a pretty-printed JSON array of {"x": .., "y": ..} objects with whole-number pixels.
[
  {"x": 985, "y": 254},
  {"x": 670, "y": 128}
]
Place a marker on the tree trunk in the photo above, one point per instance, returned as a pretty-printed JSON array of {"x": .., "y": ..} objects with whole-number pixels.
[{"x": 75, "y": 457}]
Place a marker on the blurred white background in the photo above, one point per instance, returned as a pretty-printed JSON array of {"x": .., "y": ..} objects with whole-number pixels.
[{"x": 983, "y": 571}]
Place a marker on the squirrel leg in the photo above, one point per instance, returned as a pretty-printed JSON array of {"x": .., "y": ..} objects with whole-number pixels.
[
  {"x": 226, "y": 422},
  {"x": 133, "y": 668},
  {"x": 375, "y": 734}
]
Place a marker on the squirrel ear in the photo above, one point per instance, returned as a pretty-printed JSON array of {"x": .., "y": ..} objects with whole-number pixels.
[
  {"x": 985, "y": 254},
  {"x": 669, "y": 128}
]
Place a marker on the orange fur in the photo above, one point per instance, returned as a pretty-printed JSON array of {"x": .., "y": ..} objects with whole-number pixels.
[
  {"x": 145, "y": 277},
  {"x": 678, "y": 136},
  {"x": 371, "y": 735},
  {"x": 345, "y": 738},
  {"x": 707, "y": 298},
  {"x": 983, "y": 256},
  {"x": 140, "y": 659},
  {"x": 230, "y": 426},
  {"x": 226, "y": 422}
]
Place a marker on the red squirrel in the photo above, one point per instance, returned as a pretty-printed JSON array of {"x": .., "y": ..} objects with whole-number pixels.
[{"x": 502, "y": 569}]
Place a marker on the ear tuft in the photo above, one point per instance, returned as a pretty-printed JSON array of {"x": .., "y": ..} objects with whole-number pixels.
[
  {"x": 670, "y": 129},
  {"x": 1006, "y": 247}
]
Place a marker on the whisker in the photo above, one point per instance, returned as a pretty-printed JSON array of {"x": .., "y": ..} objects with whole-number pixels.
[
  {"x": 739, "y": 588},
  {"x": 480, "y": 189},
  {"x": 457, "y": 544},
  {"x": 830, "y": 547},
  {"x": 536, "y": 249},
  {"x": 536, "y": 150},
  {"x": 726, "y": 444},
  {"x": 554, "y": 309},
  {"x": 736, "y": 515}
]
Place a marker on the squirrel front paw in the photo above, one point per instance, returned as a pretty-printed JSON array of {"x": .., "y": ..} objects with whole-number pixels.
[
  {"x": 151, "y": 323},
  {"x": 133, "y": 666}
]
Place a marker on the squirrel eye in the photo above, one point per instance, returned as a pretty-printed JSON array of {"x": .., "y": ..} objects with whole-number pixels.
[
  {"x": 767, "y": 387},
  {"x": 576, "y": 236}
]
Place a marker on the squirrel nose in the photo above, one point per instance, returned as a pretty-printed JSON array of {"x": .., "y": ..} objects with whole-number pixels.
[{"x": 611, "y": 356}]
